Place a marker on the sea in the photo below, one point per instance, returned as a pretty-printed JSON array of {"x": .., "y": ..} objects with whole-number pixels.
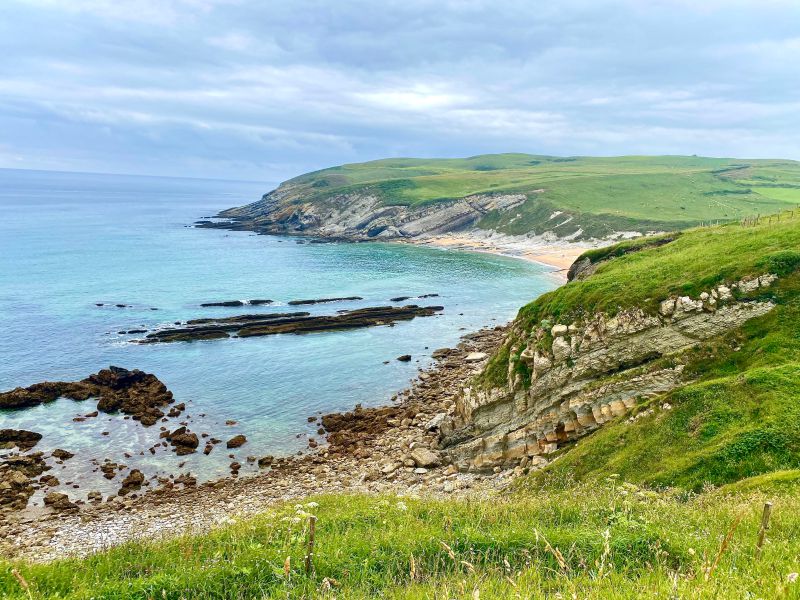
[{"x": 71, "y": 241}]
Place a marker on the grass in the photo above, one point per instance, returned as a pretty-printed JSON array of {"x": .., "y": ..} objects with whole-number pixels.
[
  {"x": 665, "y": 506},
  {"x": 739, "y": 417},
  {"x": 619, "y": 541},
  {"x": 583, "y": 197}
]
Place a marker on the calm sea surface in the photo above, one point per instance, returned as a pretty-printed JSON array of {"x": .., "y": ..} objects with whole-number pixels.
[{"x": 69, "y": 241}]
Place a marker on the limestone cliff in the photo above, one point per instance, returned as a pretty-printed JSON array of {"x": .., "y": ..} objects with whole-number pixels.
[
  {"x": 580, "y": 375},
  {"x": 363, "y": 216}
]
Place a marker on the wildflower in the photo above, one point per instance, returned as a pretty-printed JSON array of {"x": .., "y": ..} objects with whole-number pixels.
[
  {"x": 691, "y": 551},
  {"x": 792, "y": 577},
  {"x": 312, "y": 505},
  {"x": 401, "y": 505}
]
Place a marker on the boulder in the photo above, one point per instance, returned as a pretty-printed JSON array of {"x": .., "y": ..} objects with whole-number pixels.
[
  {"x": 21, "y": 438},
  {"x": 132, "y": 482},
  {"x": 424, "y": 457},
  {"x": 236, "y": 441},
  {"x": 59, "y": 501},
  {"x": 475, "y": 357}
]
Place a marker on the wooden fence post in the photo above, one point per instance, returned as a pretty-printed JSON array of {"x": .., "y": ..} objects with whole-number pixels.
[
  {"x": 312, "y": 522},
  {"x": 762, "y": 531}
]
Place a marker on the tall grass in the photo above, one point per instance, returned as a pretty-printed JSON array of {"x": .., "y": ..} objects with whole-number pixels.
[{"x": 615, "y": 540}]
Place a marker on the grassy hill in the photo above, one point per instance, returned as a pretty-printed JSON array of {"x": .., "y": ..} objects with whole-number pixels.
[
  {"x": 597, "y": 196},
  {"x": 666, "y": 505},
  {"x": 741, "y": 416}
]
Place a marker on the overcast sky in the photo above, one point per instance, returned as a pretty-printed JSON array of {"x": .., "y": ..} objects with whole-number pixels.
[{"x": 265, "y": 90}]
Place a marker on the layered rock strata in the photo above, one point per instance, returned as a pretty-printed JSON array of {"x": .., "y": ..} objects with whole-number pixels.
[
  {"x": 303, "y": 322},
  {"x": 361, "y": 216},
  {"x": 587, "y": 373}
]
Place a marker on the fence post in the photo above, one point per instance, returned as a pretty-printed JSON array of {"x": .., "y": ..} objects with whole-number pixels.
[
  {"x": 312, "y": 522},
  {"x": 762, "y": 531}
]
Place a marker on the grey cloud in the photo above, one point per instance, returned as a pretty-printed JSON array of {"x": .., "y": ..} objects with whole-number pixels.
[{"x": 264, "y": 90}]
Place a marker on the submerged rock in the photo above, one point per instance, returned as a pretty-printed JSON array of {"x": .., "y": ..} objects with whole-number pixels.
[
  {"x": 236, "y": 441},
  {"x": 21, "y": 438},
  {"x": 259, "y": 325},
  {"x": 323, "y": 300}
]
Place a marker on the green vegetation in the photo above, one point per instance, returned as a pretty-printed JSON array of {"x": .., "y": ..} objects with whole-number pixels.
[
  {"x": 740, "y": 417},
  {"x": 579, "y": 196},
  {"x": 665, "y": 505},
  {"x": 693, "y": 262},
  {"x": 618, "y": 541}
]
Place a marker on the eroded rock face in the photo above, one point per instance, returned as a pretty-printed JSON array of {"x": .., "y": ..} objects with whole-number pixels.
[
  {"x": 134, "y": 393},
  {"x": 362, "y": 216},
  {"x": 584, "y": 374}
]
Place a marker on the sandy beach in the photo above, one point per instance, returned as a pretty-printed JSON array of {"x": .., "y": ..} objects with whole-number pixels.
[{"x": 559, "y": 255}]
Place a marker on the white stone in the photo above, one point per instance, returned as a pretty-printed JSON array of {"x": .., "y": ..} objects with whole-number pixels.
[
  {"x": 559, "y": 330},
  {"x": 475, "y": 357}
]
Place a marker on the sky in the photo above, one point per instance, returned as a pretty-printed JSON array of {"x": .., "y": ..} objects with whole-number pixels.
[{"x": 266, "y": 90}]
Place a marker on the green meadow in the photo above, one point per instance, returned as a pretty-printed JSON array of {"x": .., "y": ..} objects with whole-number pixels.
[{"x": 581, "y": 197}]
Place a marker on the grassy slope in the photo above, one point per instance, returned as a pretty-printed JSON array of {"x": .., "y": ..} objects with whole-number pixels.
[
  {"x": 619, "y": 541},
  {"x": 741, "y": 417},
  {"x": 594, "y": 195}
]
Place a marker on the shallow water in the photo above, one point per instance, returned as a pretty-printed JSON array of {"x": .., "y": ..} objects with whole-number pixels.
[{"x": 69, "y": 241}]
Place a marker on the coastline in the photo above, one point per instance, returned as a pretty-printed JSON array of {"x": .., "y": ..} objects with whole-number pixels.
[
  {"x": 558, "y": 256},
  {"x": 368, "y": 451}
]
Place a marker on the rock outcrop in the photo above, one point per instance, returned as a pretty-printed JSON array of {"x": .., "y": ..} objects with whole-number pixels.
[
  {"x": 584, "y": 374},
  {"x": 271, "y": 324},
  {"x": 136, "y": 393},
  {"x": 361, "y": 216}
]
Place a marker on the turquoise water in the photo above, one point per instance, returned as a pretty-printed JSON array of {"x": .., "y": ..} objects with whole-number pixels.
[{"x": 69, "y": 241}]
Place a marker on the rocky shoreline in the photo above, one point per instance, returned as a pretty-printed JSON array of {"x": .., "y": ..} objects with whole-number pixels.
[{"x": 392, "y": 449}]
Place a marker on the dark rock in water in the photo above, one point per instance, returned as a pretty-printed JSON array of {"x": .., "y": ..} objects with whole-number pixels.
[
  {"x": 16, "y": 479},
  {"x": 62, "y": 454},
  {"x": 99, "y": 304},
  {"x": 428, "y": 296},
  {"x": 236, "y": 441},
  {"x": 59, "y": 501},
  {"x": 134, "y": 393},
  {"x": 225, "y": 303},
  {"x": 21, "y": 438},
  {"x": 132, "y": 482},
  {"x": 176, "y": 410},
  {"x": 207, "y": 450},
  {"x": 404, "y": 358},
  {"x": 258, "y": 302},
  {"x": 137, "y": 330},
  {"x": 265, "y": 461},
  {"x": 258, "y": 325},
  {"x": 323, "y": 300},
  {"x": 49, "y": 480},
  {"x": 121, "y": 305},
  {"x": 400, "y": 298},
  {"x": 183, "y": 441}
]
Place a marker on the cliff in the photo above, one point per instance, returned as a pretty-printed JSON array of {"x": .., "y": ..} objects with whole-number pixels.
[
  {"x": 640, "y": 327},
  {"x": 549, "y": 198}
]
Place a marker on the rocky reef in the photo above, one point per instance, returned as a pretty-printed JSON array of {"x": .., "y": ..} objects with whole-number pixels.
[
  {"x": 136, "y": 393},
  {"x": 586, "y": 373},
  {"x": 300, "y": 322}
]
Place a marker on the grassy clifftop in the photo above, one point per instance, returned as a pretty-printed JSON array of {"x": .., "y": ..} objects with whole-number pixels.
[
  {"x": 739, "y": 416},
  {"x": 580, "y": 196}
]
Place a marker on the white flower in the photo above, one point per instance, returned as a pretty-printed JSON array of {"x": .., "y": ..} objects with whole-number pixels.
[
  {"x": 312, "y": 505},
  {"x": 401, "y": 506},
  {"x": 792, "y": 577}
]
